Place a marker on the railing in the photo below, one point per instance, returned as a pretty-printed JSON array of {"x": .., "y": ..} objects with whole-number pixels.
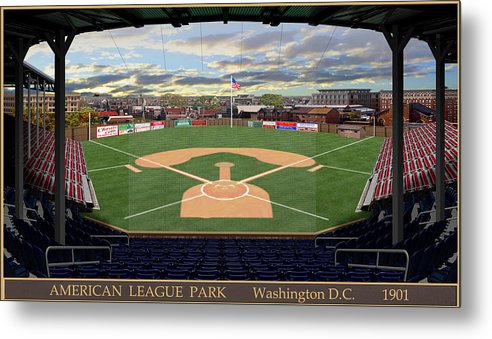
[
  {"x": 73, "y": 262},
  {"x": 112, "y": 236},
  {"x": 434, "y": 221},
  {"x": 432, "y": 211},
  {"x": 377, "y": 251},
  {"x": 333, "y": 238},
  {"x": 26, "y": 208}
]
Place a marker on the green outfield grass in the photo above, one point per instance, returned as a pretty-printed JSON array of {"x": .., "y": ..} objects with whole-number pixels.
[{"x": 330, "y": 193}]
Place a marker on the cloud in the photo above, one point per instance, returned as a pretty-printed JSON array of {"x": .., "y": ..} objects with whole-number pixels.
[
  {"x": 145, "y": 79},
  {"x": 359, "y": 58},
  {"x": 147, "y": 37},
  {"x": 199, "y": 80}
]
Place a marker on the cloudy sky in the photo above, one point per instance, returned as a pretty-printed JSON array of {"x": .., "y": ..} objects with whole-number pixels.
[{"x": 291, "y": 59}]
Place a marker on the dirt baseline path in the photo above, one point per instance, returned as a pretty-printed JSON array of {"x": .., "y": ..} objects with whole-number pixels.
[{"x": 176, "y": 157}]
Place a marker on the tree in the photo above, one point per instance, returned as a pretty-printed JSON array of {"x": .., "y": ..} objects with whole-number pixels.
[
  {"x": 206, "y": 102},
  {"x": 50, "y": 118},
  {"x": 84, "y": 116},
  {"x": 273, "y": 100},
  {"x": 174, "y": 100},
  {"x": 72, "y": 119}
]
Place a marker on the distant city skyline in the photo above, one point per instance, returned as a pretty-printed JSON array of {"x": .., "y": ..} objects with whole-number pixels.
[{"x": 304, "y": 60}]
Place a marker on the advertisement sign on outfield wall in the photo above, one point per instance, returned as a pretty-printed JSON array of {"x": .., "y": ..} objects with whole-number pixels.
[
  {"x": 156, "y": 125},
  {"x": 142, "y": 127},
  {"x": 286, "y": 125},
  {"x": 255, "y": 124},
  {"x": 106, "y": 131},
  {"x": 307, "y": 127},
  {"x": 268, "y": 124},
  {"x": 125, "y": 129},
  {"x": 182, "y": 123},
  {"x": 200, "y": 122}
]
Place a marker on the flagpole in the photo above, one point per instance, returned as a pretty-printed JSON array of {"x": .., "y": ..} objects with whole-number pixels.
[{"x": 230, "y": 85}]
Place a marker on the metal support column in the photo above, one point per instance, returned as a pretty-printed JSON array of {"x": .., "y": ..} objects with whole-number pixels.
[
  {"x": 439, "y": 50},
  {"x": 44, "y": 109},
  {"x": 37, "y": 112},
  {"x": 60, "y": 47},
  {"x": 29, "y": 115},
  {"x": 19, "y": 50},
  {"x": 397, "y": 41}
]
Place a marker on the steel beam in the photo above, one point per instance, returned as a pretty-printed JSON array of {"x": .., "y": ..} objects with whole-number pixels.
[
  {"x": 440, "y": 51},
  {"x": 37, "y": 113},
  {"x": 60, "y": 141},
  {"x": 19, "y": 50},
  {"x": 397, "y": 41},
  {"x": 28, "y": 115},
  {"x": 60, "y": 47},
  {"x": 440, "y": 145},
  {"x": 19, "y": 137},
  {"x": 44, "y": 109}
]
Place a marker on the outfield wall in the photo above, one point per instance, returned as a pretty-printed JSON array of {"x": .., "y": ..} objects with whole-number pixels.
[{"x": 82, "y": 133}]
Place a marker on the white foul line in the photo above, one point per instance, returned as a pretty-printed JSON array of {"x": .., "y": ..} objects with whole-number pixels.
[
  {"x": 346, "y": 170},
  {"x": 161, "y": 207},
  {"x": 155, "y": 163},
  {"x": 301, "y": 161},
  {"x": 288, "y": 207},
  {"x": 105, "y": 168}
]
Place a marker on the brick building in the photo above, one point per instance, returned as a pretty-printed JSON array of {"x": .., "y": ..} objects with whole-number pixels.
[
  {"x": 412, "y": 112},
  {"x": 72, "y": 102},
  {"x": 348, "y": 96},
  {"x": 315, "y": 115},
  {"x": 374, "y": 103},
  {"x": 426, "y": 98}
]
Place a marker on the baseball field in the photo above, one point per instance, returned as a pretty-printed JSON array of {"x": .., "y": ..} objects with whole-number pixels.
[{"x": 223, "y": 179}]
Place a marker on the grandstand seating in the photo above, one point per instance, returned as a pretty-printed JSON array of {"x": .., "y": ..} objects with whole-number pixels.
[
  {"x": 419, "y": 163},
  {"x": 39, "y": 167},
  {"x": 430, "y": 246}
]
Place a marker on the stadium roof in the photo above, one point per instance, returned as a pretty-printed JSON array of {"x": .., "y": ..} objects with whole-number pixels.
[
  {"x": 426, "y": 19},
  {"x": 36, "y": 73}
]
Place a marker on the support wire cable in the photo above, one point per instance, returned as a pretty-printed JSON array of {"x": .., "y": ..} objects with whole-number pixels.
[
  {"x": 201, "y": 43},
  {"x": 324, "y": 52},
  {"x": 119, "y": 52},
  {"x": 241, "y": 59},
  {"x": 163, "y": 50},
  {"x": 280, "y": 45}
]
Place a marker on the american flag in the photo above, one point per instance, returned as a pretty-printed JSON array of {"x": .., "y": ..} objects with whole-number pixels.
[{"x": 235, "y": 84}]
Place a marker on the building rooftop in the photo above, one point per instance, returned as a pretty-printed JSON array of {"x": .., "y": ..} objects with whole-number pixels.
[
  {"x": 343, "y": 89},
  {"x": 321, "y": 110},
  {"x": 351, "y": 127},
  {"x": 251, "y": 108},
  {"x": 419, "y": 90}
]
